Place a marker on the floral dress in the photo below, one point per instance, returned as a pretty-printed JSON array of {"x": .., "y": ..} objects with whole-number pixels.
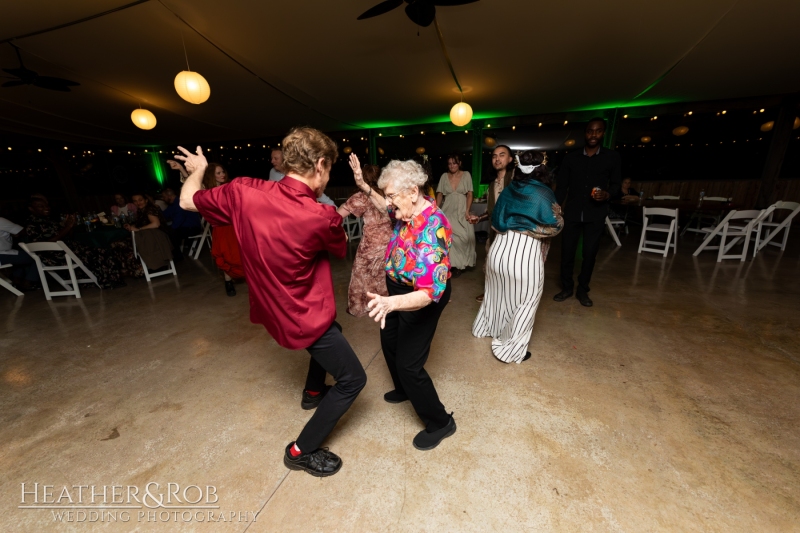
[
  {"x": 105, "y": 263},
  {"x": 368, "y": 266},
  {"x": 418, "y": 253}
]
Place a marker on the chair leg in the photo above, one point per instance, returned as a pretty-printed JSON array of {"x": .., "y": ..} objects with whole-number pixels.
[{"x": 9, "y": 286}]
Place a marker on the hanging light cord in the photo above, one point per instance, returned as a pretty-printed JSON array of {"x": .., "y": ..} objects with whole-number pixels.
[
  {"x": 447, "y": 57},
  {"x": 184, "y": 51}
]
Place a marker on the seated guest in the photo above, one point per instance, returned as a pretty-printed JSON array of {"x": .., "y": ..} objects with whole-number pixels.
[
  {"x": 24, "y": 274},
  {"x": 629, "y": 196},
  {"x": 122, "y": 206},
  {"x": 105, "y": 264},
  {"x": 185, "y": 223},
  {"x": 148, "y": 216}
]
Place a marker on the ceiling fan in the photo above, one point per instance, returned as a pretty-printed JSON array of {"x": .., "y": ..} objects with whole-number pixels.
[
  {"x": 421, "y": 12},
  {"x": 26, "y": 76}
]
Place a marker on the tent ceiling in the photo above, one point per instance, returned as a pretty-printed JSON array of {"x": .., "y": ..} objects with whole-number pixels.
[{"x": 313, "y": 63}]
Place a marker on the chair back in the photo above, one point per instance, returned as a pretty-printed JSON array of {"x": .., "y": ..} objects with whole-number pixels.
[
  {"x": 36, "y": 247},
  {"x": 748, "y": 214},
  {"x": 663, "y": 211},
  {"x": 666, "y": 197},
  {"x": 791, "y": 206}
]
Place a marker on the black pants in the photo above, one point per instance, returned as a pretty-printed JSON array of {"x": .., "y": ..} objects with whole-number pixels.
[
  {"x": 406, "y": 343},
  {"x": 592, "y": 231},
  {"x": 333, "y": 355}
]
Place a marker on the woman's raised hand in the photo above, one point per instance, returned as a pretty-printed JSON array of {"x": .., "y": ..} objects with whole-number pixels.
[{"x": 355, "y": 164}]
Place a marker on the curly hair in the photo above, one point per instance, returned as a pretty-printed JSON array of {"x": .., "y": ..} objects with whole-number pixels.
[
  {"x": 303, "y": 147},
  {"x": 403, "y": 175},
  {"x": 540, "y": 173}
]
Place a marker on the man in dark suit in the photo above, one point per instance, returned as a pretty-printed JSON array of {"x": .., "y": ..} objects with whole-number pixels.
[{"x": 587, "y": 180}]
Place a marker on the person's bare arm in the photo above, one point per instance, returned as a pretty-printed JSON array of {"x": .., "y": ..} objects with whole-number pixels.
[
  {"x": 469, "y": 204},
  {"x": 439, "y": 199},
  {"x": 343, "y": 211},
  {"x": 196, "y": 164},
  {"x": 380, "y": 306},
  {"x": 376, "y": 199}
]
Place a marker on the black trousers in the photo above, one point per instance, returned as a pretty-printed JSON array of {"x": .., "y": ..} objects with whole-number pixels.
[
  {"x": 406, "y": 343},
  {"x": 570, "y": 235},
  {"x": 331, "y": 354}
]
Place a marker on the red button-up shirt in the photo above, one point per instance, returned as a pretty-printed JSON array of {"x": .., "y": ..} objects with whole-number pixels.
[{"x": 285, "y": 237}]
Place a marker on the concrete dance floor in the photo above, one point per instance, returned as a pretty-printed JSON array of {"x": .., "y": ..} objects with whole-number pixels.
[{"x": 671, "y": 405}]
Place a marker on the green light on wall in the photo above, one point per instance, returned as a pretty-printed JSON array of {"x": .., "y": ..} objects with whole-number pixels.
[{"x": 158, "y": 171}]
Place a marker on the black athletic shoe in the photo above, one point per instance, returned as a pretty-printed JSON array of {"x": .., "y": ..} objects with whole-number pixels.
[
  {"x": 311, "y": 402},
  {"x": 428, "y": 441},
  {"x": 230, "y": 290},
  {"x": 527, "y": 356},
  {"x": 584, "y": 299},
  {"x": 563, "y": 295},
  {"x": 395, "y": 397},
  {"x": 319, "y": 463}
]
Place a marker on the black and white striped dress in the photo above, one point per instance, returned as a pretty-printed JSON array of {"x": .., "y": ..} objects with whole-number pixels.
[{"x": 514, "y": 283}]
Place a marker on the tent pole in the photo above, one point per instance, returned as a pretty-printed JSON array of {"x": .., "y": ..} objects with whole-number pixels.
[
  {"x": 781, "y": 135},
  {"x": 477, "y": 155},
  {"x": 373, "y": 148}
]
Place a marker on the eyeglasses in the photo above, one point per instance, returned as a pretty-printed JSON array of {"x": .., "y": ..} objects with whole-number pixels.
[{"x": 392, "y": 196}]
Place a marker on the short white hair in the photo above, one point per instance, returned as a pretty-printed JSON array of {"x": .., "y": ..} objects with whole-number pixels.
[{"x": 403, "y": 175}]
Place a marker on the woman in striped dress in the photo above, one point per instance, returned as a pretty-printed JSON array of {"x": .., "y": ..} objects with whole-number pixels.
[{"x": 525, "y": 217}]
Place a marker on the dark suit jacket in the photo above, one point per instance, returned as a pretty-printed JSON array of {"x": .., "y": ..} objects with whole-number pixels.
[{"x": 579, "y": 174}]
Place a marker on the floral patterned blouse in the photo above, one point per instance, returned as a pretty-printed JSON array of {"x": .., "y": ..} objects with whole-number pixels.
[{"x": 418, "y": 253}]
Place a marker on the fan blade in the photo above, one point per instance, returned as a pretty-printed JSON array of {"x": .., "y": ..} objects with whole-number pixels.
[
  {"x": 451, "y": 2},
  {"x": 16, "y": 83},
  {"x": 421, "y": 13},
  {"x": 380, "y": 9},
  {"x": 54, "y": 84},
  {"x": 22, "y": 73}
]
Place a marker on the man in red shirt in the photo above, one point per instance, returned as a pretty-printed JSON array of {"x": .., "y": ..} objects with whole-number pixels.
[{"x": 285, "y": 237}]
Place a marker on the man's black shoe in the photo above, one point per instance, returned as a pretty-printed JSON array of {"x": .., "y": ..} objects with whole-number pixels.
[
  {"x": 311, "y": 402},
  {"x": 428, "y": 441},
  {"x": 527, "y": 356},
  {"x": 319, "y": 463},
  {"x": 395, "y": 397},
  {"x": 563, "y": 295},
  {"x": 584, "y": 299}
]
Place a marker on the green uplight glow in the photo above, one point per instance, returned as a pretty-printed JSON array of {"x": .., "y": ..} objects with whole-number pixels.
[{"x": 158, "y": 171}]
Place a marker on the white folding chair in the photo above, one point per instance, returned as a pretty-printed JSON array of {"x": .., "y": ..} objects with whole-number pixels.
[
  {"x": 736, "y": 226},
  {"x": 786, "y": 225},
  {"x": 71, "y": 287},
  {"x": 704, "y": 220},
  {"x": 147, "y": 274},
  {"x": 670, "y": 229},
  {"x": 199, "y": 240},
  {"x": 353, "y": 227},
  {"x": 612, "y": 230},
  {"x": 666, "y": 197},
  {"x": 7, "y": 284}
]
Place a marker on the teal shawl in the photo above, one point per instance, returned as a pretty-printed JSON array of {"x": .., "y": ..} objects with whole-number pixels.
[{"x": 528, "y": 207}]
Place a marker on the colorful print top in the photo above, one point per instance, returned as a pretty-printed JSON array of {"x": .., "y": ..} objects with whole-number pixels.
[{"x": 417, "y": 255}]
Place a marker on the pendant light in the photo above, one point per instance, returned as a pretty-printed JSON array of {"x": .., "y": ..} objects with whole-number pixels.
[
  {"x": 191, "y": 86},
  {"x": 461, "y": 114},
  {"x": 143, "y": 119}
]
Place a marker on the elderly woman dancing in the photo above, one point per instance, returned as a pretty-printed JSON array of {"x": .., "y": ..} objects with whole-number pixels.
[
  {"x": 417, "y": 279},
  {"x": 525, "y": 217}
]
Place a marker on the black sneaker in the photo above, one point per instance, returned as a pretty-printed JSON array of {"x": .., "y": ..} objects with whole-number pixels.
[
  {"x": 311, "y": 402},
  {"x": 563, "y": 295},
  {"x": 527, "y": 356},
  {"x": 319, "y": 463},
  {"x": 395, "y": 397},
  {"x": 230, "y": 290},
  {"x": 428, "y": 441}
]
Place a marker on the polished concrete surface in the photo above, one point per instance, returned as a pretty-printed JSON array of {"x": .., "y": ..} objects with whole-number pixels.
[{"x": 671, "y": 405}]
